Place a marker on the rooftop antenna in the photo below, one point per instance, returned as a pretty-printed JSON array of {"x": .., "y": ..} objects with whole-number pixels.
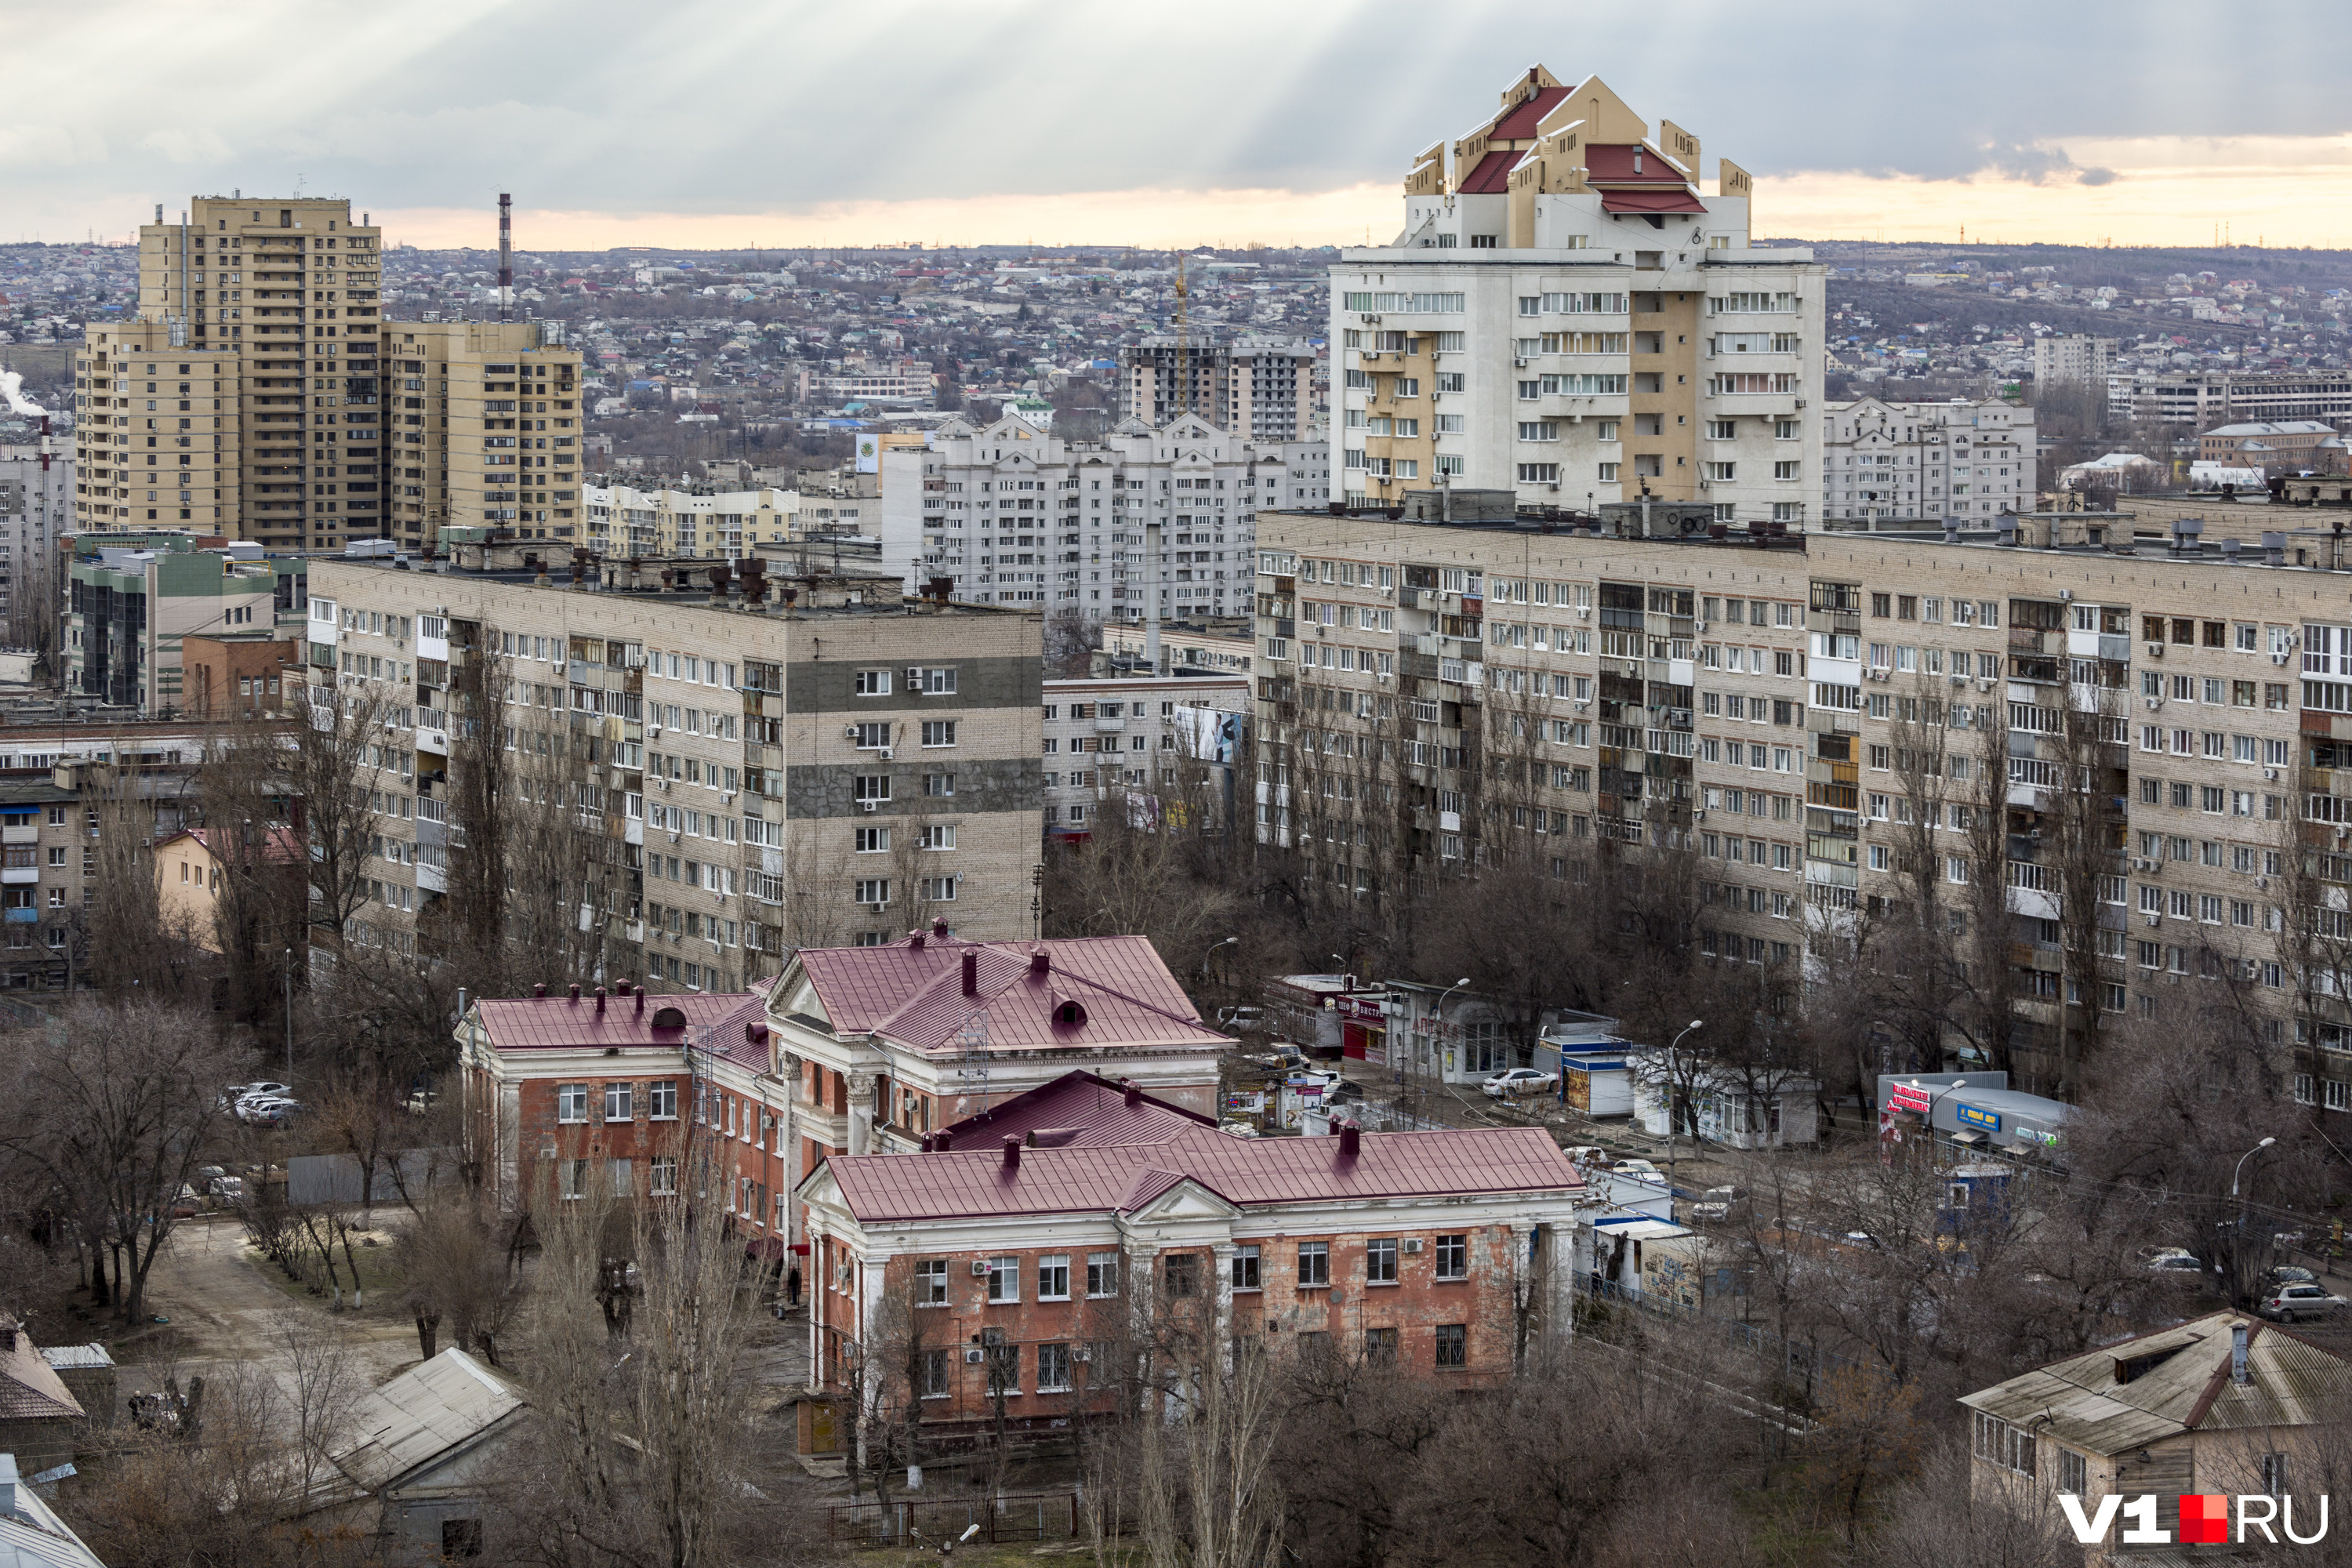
[{"x": 506, "y": 255}]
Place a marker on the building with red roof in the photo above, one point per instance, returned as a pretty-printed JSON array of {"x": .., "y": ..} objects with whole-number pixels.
[
  {"x": 1578, "y": 358},
  {"x": 1032, "y": 1266}
]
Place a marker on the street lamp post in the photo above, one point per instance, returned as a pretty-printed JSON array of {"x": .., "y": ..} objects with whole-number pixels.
[
  {"x": 1958, "y": 1083},
  {"x": 2241, "y": 1205},
  {"x": 1437, "y": 1035},
  {"x": 1673, "y": 1106}
]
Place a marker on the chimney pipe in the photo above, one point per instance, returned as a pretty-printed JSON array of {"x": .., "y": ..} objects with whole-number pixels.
[
  {"x": 971, "y": 974},
  {"x": 506, "y": 256},
  {"x": 1352, "y": 1140},
  {"x": 939, "y": 925},
  {"x": 1041, "y": 962},
  {"x": 641, "y": 999},
  {"x": 599, "y": 1001},
  {"x": 539, "y": 990},
  {"x": 1131, "y": 1091},
  {"x": 2237, "y": 1338},
  {"x": 575, "y": 991},
  {"x": 942, "y": 1142},
  {"x": 1011, "y": 1154}
]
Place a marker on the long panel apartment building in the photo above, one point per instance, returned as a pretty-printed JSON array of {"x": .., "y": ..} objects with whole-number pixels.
[
  {"x": 1566, "y": 317},
  {"x": 259, "y": 395},
  {"x": 1012, "y": 515},
  {"x": 784, "y": 763},
  {"x": 1431, "y": 697}
]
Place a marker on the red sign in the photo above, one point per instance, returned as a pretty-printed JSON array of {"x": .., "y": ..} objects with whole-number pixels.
[{"x": 1910, "y": 1097}]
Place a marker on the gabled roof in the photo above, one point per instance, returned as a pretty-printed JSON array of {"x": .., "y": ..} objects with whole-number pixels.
[
  {"x": 2176, "y": 1380},
  {"x": 422, "y": 1415},
  {"x": 1077, "y": 1109},
  {"x": 709, "y": 1019},
  {"x": 911, "y": 992},
  {"x": 1244, "y": 1172},
  {"x": 283, "y": 843},
  {"x": 30, "y": 1389}
]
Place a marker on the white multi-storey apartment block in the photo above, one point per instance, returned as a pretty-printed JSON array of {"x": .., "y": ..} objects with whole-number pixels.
[
  {"x": 1012, "y": 515},
  {"x": 1894, "y": 464},
  {"x": 1566, "y": 317}
]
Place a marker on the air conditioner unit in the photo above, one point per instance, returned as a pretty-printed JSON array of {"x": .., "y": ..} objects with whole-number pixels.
[
  {"x": 2067, "y": 592},
  {"x": 2264, "y": 883},
  {"x": 1698, "y": 627},
  {"x": 1584, "y": 613},
  {"x": 2278, "y": 658},
  {"x": 2139, "y": 863},
  {"x": 1387, "y": 593},
  {"x": 1984, "y": 685},
  {"x": 867, "y": 805},
  {"x": 886, "y": 753},
  {"x": 2270, "y": 772},
  {"x": 1082, "y": 1355},
  {"x": 2155, "y": 650},
  {"x": 979, "y": 1271},
  {"x": 1699, "y": 816},
  {"x": 2156, "y": 919},
  {"x": 1519, "y": 365},
  {"x": 972, "y": 1355},
  {"x": 2154, "y": 703},
  {"x": 663, "y": 783},
  {"x": 1411, "y": 1246}
]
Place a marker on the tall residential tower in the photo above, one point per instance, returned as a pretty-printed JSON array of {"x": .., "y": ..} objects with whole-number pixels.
[{"x": 1566, "y": 316}]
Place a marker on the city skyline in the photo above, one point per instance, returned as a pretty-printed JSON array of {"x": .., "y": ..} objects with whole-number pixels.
[{"x": 866, "y": 131}]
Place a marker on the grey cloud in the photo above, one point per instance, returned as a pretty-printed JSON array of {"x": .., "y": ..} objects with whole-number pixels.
[{"x": 2095, "y": 177}]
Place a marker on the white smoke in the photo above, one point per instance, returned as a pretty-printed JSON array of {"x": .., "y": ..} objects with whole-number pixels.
[{"x": 18, "y": 402}]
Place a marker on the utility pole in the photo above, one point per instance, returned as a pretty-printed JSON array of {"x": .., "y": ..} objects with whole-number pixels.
[{"x": 289, "y": 1015}]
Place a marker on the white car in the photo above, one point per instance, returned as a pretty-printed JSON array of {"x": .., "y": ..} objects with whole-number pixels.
[
  {"x": 1521, "y": 1080},
  {"x": 1641, "y": 1169},
  {"x": 2174, "y": 1260}
]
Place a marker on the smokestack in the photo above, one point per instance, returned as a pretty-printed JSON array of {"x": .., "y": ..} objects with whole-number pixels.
[{"x": 506, "y": 255}]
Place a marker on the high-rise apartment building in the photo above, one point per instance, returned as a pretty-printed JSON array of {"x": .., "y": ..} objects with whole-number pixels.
[
  {"x": 2206, "y": 398},
  {"x": 723, "y": 525},
  {"x": 746, "y": 775},
  {"x": 2072, "y": 359},
  {"x": 1894, "y": 464},
  {"x": 1012, "y": 515},
  {"x": 2139, "y": 742},
  {"x": 249, "y": 396},
  {"x": 130, "y": 600},
  {"x": 1564, "y": 316},
  {"x": 1260, "y": 388},
  {"x": 36, "y": 496}
]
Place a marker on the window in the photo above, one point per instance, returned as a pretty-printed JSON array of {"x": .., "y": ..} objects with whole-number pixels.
[
  {"x": 1381, "y": 1260},
  {"x": 936, "y": 1374},
  {"x": 1245, "y": 1268},
  {"x": 1102, "y": 1274},
  {"x": 571, "y": 1102},
  {"x": 461, "y": 1538},
  {"x": 1453, "y": 1347},
  {"x": 575, "y": 1177},
  {"x": 934, "y": 784},
  {"x": 873, "y": 840},
  {"x": 1314, "y": 1264},
  {"x": 1053, "y": 1368},
  {"x": 2074, "y": 1472},
  {"x": 623, "y": 1182},
  {"x": 1054, "y": 1278},
  {"x": 2275, "y": 1474},
  {"x": 939, "y": 732},
  {"x": 873, "y": 737},
  {"x": 938, "y": 836},
  {"x": 931, "y": 1282},
  {"x": 932, "y": 682},
  {"x": 661, "y": 1100},
  {"x": 1182, "y": 1275},
  {"x": 1005, "y": 1279},
  {"x": 873, "y": 890},
  {"x": 873, "y": 683},
  {"x": 938, "y": 889},
  {"x": 1381, "y": 1346},
  {"x": 872, "y": 787},
  {"x": 618, "y": 1098},
  {"x": 1003, "y": 1362},
  {"x": 1453, "y": 1258},
  {"x": 1999, "y": 1443}
]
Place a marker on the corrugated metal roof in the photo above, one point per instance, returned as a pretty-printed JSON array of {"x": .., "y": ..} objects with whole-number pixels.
[
  {"x": 911, "y": 992},
  {"x": 559, "y": 1023},
  {"x": 423, "y": 1414},
  {"x": 78, "y": 1358},
  {"x": 2182, "y": 1382},
  {"x": 1090, "y": 1106},
  {"x": 1109, "y": 1179}
]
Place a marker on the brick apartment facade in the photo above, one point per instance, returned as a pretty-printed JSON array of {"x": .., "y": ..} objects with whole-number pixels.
[{"x": 1045, "y": 1260}]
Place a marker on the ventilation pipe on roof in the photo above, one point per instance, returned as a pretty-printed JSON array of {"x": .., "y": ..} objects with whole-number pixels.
[
  {"x": 1352, "y": 1140},
  {"x": 641, "y": 999},
  {"x": 1040, "y": 963},
  {"x": 1132, "y": 1091},
  {"x": 942, "y": 1142},
  {"x": 915, "y": 937},
  {"x": 939, "y": 925},
  {"x": 971, "y": 974},
  {"x": 539, "y": 990},
  {"x": 927, "y": 1142},
  {"x": 599, "y": 1001},
  {"x": 1012, "y": 1152},
  {"x": 2238, "y": 1374},
  {"x": 575, "y": 991},
  {"x": 620, "y": 988}
]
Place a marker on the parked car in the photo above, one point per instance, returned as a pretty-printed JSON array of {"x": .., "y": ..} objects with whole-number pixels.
[
  {"x": 2292, "y": 1303},
  {"x": 236, "y": 1094},
  {"x": 2172, "y": 1261},
  {"x": 1242, "y": 1019},
  {"x": 422, "y": 1100},
  {"x": 1714, "y": 1205},
  {"x": 2283, "y": 1274},
  {"x": 1238, "y": 1129},
  {"x": 1586, "y": 1154},
  {"x": 1521, "y": 1080},
  {"x": 1283, "y": 1058},
  {"x": 1641, "y": 1169},
  {"x": 272, "y": 1111}
]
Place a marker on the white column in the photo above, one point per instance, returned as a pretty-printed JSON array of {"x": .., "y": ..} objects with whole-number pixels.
[{"x": 861, "y": 1113}]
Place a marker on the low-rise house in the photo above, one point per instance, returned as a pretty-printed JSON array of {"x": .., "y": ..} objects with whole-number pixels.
[
  {"x": 31, "y": 1533},
  {"x": 417, "y": 1477},
  {"x": 1024, "y": 1277},
  {"x": 192, "y": 865},
  {"x": 39, "y": 1416},
  {"x": 1762, "y": 1106},
  {"x": 2224, "y": 1404}
]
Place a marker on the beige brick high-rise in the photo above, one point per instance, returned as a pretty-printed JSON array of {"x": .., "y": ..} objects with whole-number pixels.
[{"x": 249, "y": 398}]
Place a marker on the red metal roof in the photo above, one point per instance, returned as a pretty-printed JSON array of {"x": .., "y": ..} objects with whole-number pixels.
[
  {"x": 1091, "y": 1107},
  {"x": 1246, "y": 1171},
  {"x": 1651, "y": 202},
  {"x": 1612, "y": 164},
  {"x": 911, "y": 992},
  {"x": 1493, "y": 174},
  {"x": 713, "y": 1020},
  {"x": 1520, "y": 124}
]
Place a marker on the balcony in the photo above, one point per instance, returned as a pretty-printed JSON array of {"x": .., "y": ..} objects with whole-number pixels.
[
  {"x": 18, "y": 876},
  {"x": 431, "y": 878},
  {"x": 1110, "y": 726}
]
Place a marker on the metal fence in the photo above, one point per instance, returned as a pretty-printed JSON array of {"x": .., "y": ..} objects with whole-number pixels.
[{"x": 912, "y": 1520}]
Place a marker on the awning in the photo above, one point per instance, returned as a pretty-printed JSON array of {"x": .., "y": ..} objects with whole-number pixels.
[{"x": 1668, "y": 201}]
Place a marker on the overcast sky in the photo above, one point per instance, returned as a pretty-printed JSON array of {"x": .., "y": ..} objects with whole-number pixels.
[{"x": 700, "y": 122}]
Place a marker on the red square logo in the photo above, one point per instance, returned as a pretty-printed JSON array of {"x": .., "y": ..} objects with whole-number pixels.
[{"x": 2204, "y": 1520}]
